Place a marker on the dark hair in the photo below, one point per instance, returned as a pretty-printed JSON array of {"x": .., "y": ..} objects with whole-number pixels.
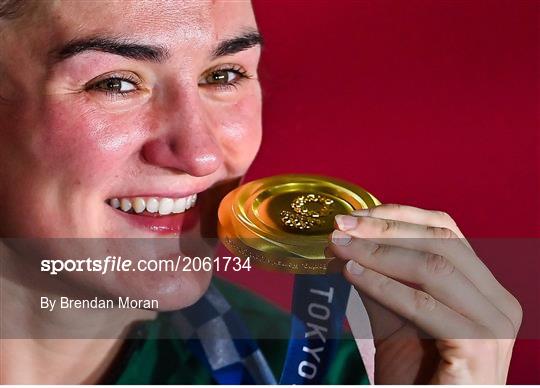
[{"x": 10, "y": 9}]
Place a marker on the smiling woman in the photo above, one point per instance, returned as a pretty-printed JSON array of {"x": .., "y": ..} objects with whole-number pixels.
[
  {"x": 123, "y": 124},
  {"x": 132, "y": 123}
]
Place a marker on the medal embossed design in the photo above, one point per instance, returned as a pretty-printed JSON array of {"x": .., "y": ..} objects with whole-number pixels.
[{"x": 282, "y": 223}]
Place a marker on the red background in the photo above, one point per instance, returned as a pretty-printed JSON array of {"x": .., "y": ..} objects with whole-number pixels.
[{"x": 429, "y": 103}]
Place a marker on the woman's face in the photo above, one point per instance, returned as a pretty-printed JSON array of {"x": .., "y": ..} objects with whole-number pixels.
[{"x": 125, "y": 103}]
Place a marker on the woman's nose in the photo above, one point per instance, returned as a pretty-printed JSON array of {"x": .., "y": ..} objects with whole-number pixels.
[{"x": 185, "y": 142}]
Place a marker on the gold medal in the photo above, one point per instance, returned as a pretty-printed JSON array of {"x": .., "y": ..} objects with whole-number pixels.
[{"x": 282, "y": 223}]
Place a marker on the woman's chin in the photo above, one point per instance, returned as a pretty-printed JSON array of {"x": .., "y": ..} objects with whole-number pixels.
[{"x": 171, "y": 291}]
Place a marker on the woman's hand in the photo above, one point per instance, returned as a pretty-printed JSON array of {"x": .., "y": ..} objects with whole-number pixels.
[{"x": 437, "y": 313}]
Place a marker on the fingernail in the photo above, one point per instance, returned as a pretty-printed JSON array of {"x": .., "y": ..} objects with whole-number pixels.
[
  {"x": 360, "y": 212},
  {"x": 346, "y": 222},
  {"x": 340, "y": 238},
  {"x": 354, "y": 268}
]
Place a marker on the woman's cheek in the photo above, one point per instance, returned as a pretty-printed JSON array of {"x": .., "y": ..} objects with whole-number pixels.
[
  {"x": 241, "y": 133},
  {"x": 94, "y": 142}
]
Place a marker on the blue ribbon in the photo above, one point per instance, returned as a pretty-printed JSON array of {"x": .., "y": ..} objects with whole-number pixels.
[
  {"x": 318, "y": 312},
  {"x": 226, "y": 348}
]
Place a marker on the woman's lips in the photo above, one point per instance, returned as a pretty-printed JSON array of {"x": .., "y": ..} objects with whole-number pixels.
[{"x": 168, "y": 224}]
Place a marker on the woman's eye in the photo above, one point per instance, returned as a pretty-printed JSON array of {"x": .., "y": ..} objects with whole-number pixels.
[
  {"x": 222, "y": 77},
  {"x": 116, "y": 85}
]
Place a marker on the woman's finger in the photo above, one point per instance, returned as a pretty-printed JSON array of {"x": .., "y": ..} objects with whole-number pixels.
[
  {"x": 440, "y": 241},
  {"x": 432, "y": 273},
  {"x": 418, "y": 307},
  {"x": 382, "y": 321},
  {"x": 412, "y": 215}
]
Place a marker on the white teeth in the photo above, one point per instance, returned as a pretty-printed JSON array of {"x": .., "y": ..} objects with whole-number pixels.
[
  {"x": 125, "y": 204},
  {"x": 166, "y": 206},
  {"x": 152, "y": 205},
  {"x": 139, "y": 205},
  {"x": 190, "y": 201},
  {"x": 179, "y": 205},
  {"x": 163, "y": 206}
]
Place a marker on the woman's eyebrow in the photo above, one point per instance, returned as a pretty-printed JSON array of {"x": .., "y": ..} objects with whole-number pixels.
[
  {"x": 239, "y": 43},
  {"x": 118, "y": 46},
  {"x": 145, "y": 52}
]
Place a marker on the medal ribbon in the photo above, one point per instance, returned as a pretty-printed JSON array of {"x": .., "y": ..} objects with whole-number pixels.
[
  {"x": 218, "y": 337},
  {"x": 318, "y": 311}
]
